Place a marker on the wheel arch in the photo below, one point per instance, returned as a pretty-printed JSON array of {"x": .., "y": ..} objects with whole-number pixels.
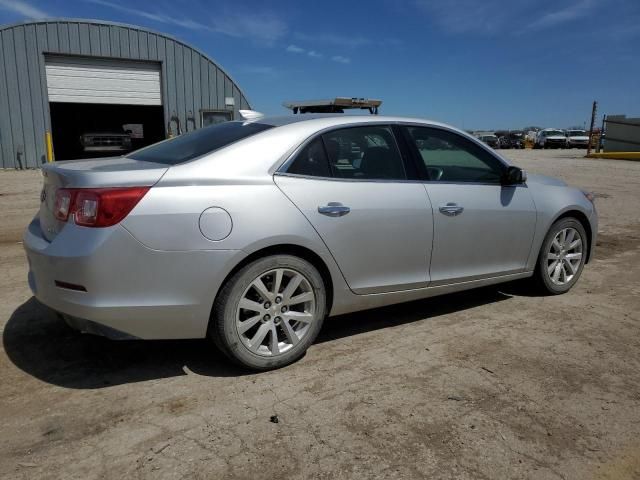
[
  {"x": 584, "y": 221},
  {"x": 287, "y": 249}
]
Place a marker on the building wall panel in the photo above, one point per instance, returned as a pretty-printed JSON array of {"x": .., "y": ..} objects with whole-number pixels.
[
  {"x": 6, "y": 136},
  {"x": 13, "y": 94},
  {"x": 190, "y": 81},
  {"x": 28, "y": 158}
]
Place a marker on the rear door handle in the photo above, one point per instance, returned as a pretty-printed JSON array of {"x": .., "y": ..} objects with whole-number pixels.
[
  {"x": 451, "y": 209},
  {"x": 334, "y": 209}
]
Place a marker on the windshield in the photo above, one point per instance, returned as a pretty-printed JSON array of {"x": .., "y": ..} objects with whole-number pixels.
[
  {"x": 553, "y": 133},
  {"x": 194, "y": 144},
  {"x": 576, "y": 133}
]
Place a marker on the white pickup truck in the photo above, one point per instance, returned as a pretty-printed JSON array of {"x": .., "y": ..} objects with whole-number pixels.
[{"x": 577, "y": 139}]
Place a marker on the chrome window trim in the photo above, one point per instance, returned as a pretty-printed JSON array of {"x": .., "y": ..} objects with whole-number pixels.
[
  {"x": 378, "y": 180},
  {"x": 336, "y": 179}
]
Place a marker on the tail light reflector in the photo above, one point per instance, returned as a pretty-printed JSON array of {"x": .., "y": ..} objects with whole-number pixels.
[
  {"x": 97, "y": 207},
  {"x": 62, "y": 207}
]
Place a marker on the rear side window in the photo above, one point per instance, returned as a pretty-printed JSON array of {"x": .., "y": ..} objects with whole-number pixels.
[
  {"x": 364, "y": 153},
  {"x": 194, "y": 144},
  {"x": 311, "y": 161}
]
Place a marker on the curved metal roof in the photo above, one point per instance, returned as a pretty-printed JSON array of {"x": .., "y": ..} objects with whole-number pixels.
[{"x": 131, "y": 26}]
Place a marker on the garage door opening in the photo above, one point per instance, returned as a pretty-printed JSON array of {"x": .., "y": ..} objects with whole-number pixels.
[
  {"x": 85, "y": 130},
  {"x": 103, "y": 107}
]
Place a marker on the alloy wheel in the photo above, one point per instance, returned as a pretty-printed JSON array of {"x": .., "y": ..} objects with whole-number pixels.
[
  {"x": 564, "y": 256},
  {"x": 275, "y": 312}
]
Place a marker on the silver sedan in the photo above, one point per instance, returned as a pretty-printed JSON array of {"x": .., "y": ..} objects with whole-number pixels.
[{"x": 250, "y": 233}]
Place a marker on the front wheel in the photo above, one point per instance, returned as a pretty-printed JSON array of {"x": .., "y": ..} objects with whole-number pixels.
[
  {"x": 562, "y": 256},
  {"x": 269, "y": 312}
]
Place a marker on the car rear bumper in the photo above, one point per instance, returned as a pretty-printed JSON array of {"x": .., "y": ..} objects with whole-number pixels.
[{"x": 106, "y": 278}]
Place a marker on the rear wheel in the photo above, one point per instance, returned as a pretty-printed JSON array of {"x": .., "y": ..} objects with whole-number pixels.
[
  {"x": 562, "y": 256},
  {"x": 269, "y": 312}
]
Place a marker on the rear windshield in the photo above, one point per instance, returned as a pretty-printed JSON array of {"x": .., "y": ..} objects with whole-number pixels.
[{"x": 194, "y": 144}]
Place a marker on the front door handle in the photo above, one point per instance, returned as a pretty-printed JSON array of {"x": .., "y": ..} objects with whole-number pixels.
[
  {"x": 451, "y": 209},
  {"x": 334, "y": 209}
]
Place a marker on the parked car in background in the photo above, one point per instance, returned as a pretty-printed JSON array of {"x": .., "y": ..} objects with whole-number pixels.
[
  {"x": 251, "y": 232},
  {"x": 105, "y": 142},
  {"x": 531, "y": 137},
  {"x": 517, "y": 139},
  {"x": 510, "y": 139},
  {"x": 577, "y": 139},
  {"x": 504, "y": 142},
  {"x": 490, "y": 140},
  {"x": 550, "y": 138}
]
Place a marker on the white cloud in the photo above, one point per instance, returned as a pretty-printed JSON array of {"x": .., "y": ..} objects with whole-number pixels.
[
  {"x": 259, "y": 26},
  {"x": 155, "y": 17},
  {"x": 494, "y": 17},
  {"x": 334, "y": 39},
  {"x": 295, "y": 49},
  {"x": 568, "y": 14},
  {"x": 341, "y": 59},
  {"x": 23, "y": 8},
  {"x": 314, "y": 54},
  {"x": 463, "y": 16}
]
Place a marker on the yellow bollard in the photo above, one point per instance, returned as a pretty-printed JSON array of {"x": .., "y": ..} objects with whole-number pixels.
[{"x": 49, "y": 144}]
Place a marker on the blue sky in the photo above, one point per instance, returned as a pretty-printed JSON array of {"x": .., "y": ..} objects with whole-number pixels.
[{"x": 472, "y": 63}]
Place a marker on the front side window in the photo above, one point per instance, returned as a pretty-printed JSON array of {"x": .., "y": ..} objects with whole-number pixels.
[
  {"x": 449, "y": 157},
  {"x": 364, "y": 153}
]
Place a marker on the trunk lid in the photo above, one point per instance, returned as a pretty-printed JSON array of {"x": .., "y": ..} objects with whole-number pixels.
[{"x": 95, "y": 173}]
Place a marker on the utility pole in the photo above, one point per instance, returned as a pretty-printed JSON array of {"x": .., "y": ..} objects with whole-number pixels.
[{"x": 594, "y": 109}]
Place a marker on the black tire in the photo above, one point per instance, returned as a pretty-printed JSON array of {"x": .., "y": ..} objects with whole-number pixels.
[
  {"x": 541, "y": 276},
  {"x": 223, "y": 329}
]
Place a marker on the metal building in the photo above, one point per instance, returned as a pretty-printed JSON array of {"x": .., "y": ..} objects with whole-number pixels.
[
  {"x": 622, "y": 134},
  {"x": 79, "y": 88}
]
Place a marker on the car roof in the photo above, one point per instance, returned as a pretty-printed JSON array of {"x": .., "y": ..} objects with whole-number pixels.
[{"x": 338, "y": 119}]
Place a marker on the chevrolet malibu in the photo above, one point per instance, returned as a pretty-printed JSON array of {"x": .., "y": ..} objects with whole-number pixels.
[{"x": 251, "y": 232}]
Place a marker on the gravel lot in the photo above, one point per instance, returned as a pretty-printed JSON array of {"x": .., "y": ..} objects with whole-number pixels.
[{"x": 492, "y": 383}]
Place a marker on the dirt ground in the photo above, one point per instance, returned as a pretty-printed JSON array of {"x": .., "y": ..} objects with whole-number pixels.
[{"x": 488, "y": 384}]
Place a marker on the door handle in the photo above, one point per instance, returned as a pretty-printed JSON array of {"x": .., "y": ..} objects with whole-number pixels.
[
  {"x": 334, "y": 209},
  {"x": 451, "y": 209}
]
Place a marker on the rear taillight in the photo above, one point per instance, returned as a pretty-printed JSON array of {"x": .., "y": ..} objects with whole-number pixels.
[
  {"x": 64, "y": 201},
  {"x": 97, "y": 207}
]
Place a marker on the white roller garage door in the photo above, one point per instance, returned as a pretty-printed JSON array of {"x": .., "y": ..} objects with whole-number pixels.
[{"x": 94, "y": 80}]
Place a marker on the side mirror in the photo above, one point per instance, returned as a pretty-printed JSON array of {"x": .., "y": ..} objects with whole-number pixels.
[{"x": 514, "y": 176}]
